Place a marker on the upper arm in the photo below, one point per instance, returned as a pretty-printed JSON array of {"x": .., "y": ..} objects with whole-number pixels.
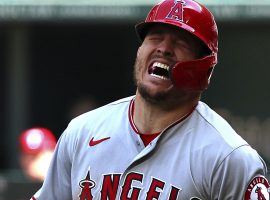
[
  {"x": 234, "y": 175},
  {"x": 57, "y": 184}
]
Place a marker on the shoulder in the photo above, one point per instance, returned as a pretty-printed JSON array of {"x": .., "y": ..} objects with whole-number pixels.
[
  {"x": 110, "y": 110},
  {"x": 101, "y": 118},
  {"x": 121, "y": 103},
  {"x": 240, "y": 173},
  {"x": 217, "y": 128},
  {"x": 232, "y": 163},
  {"x": 246, "y": 156},
  {"x": 218, "y": 144}
]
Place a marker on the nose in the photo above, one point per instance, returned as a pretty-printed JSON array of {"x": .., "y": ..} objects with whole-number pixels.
[{"x": 166, "y": 47}]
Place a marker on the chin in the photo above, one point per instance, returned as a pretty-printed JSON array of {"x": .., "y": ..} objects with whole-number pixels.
[
  {"x": 154, "y": 98},
  {"x": 166, "y": 100}
]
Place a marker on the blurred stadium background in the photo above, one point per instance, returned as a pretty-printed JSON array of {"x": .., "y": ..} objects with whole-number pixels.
[{"x": 53, "y": 53}]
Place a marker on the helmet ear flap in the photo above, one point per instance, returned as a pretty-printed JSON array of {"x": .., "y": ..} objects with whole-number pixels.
[{"x": 193, "y": 75}]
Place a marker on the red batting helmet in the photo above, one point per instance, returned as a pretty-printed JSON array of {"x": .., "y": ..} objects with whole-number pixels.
[
  {"x": 35, "y": 140},
  {"x": 199, "y": 21}
]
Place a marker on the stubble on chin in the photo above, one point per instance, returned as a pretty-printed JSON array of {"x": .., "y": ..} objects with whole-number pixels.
[{"x": 159, "y": 98}]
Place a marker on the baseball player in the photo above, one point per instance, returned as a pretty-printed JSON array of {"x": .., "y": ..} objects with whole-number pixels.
[{"x": 163, "y": 142}]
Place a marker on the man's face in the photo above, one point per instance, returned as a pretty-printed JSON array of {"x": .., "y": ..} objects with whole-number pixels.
[{"x": 162, "y": 47}]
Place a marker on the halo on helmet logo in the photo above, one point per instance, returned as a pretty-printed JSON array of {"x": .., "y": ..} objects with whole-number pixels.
[{"x": 177, "y": 11}]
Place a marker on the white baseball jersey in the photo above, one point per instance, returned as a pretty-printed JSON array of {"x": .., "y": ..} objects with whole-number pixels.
[{"x": 100, "y": 156}]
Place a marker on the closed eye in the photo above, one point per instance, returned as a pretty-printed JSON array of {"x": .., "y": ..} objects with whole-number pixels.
[
  {"x": 154, "y": 36},
  {"x": 183, "y": 44}
]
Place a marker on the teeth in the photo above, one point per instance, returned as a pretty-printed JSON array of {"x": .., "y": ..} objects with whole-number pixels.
[
  {"x": 161, "y": 65},
  {"x": 161, "y": 77}
]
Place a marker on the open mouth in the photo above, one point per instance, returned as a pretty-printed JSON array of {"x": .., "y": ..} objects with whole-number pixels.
[{"x": 159, "y": 70}]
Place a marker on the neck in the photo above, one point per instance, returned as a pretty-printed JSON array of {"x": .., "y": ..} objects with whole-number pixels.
[{"x": 150, "y": 118}]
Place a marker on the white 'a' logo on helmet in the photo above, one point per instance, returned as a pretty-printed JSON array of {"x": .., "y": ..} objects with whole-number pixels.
[{"x": 177, "y": 11}]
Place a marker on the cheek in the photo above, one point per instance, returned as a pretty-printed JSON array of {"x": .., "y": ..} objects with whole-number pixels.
[
  {"x": 139, "y": 52},
  {"x": 185, "y": 55},
  {"x": 144, "y": 50},
  {"x": 138, "y": 70},
  {"x": 143, "y": 55},
  {"x": 139, "y": 60},
  {"x": 138, "y": 66}
]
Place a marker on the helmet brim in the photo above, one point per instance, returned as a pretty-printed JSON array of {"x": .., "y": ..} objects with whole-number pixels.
[{"x": 143, "y": 27}]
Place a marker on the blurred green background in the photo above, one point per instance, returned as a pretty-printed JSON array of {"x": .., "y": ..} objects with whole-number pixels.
[{"x": 55, "y": 53}]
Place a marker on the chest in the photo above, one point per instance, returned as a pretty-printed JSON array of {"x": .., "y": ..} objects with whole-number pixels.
[{"x": 125, "y": 170}]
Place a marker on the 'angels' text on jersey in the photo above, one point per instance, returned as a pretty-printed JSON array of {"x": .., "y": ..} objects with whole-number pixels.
[{"x": 110, "y": 185}]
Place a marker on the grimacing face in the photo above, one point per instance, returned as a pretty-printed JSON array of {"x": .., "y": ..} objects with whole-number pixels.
[{"x": 162, "y": 47}]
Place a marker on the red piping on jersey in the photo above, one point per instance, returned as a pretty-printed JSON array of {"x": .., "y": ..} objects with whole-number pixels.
[
  {"x": 33, "y": 198},
  {"x": 146, "y": 138},
  {"x": 130, "y": 117}
]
